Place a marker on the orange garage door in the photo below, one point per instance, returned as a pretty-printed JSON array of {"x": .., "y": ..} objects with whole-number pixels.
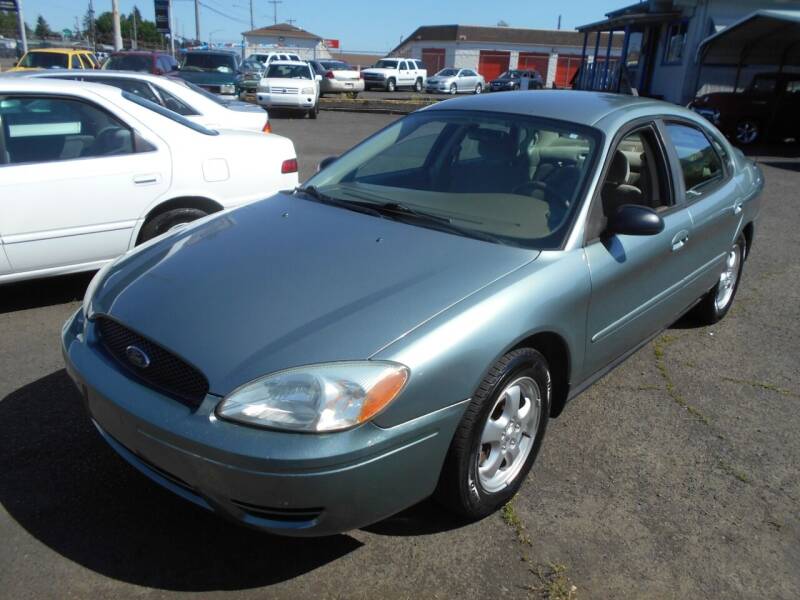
[
  {"x": 537, "y": 62},
  {"x": 492, "y": 63},
  {"x": 433, "y": 59},
  {"x": 566, "y": 69}
]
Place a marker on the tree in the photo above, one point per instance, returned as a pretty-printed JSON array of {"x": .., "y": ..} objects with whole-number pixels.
[
  {"x": 42, "y": 28},
  {"x": 502, "y": 23}
]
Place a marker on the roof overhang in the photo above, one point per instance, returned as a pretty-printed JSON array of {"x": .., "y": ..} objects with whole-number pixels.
[
  {"x": 762, "y": 37},
  {"x": 622, "y": 21}
]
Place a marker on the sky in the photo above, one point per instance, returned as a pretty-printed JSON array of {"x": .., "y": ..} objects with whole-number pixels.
[{"x": 360, "y": 25}]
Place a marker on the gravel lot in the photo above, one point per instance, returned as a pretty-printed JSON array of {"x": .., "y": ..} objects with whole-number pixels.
[{"x": 674, "y": 477}]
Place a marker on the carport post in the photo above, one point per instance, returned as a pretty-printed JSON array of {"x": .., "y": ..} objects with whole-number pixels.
[
  {"x": 582, "y": 70},
  {"x": 594, "y": 61},
  {"x": 623, "y": 57},
  {"x": 608, "y": 57}
]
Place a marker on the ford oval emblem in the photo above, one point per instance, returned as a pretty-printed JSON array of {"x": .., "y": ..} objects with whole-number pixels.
[{"x": 137, "y": 357}]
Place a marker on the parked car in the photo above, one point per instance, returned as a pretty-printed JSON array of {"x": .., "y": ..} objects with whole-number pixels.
[
  {"x": 454, "y": 81},
  {"x": 406, "y": 323},
  {"x": 290, "y": 85},
  {"x": 338, "y": 77},
  {"x": 252, "y": 72},
  {"x": 177, "y": 95},
  {"x": 218, "y": 71},
  {"x": 514, "y": 80},
  {"x": 56, "y": 58},
  {"x": 268, "y": 57},
  {"x": 392, "y": 73},
  {"x": 89, "y": 171},
  {"x": 768, "y": 107},
  {"x": 157, "y": 63}
]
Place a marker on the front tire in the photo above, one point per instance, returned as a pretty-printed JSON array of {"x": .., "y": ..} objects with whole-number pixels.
[
  {"x": 168, "y": 220},
  {"x": 499, "y": 436},
  {"x": 715, "y": 304},
  {"x": 453, "y": 89},
  {"x": 418, "y": 85},
  {"x": 478, "y": 89},
  {"x": 390, "y": 85},
  {"x": 312, "y": 114}
]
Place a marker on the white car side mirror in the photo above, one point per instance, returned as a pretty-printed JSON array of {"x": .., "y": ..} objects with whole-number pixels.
[{"x": 318, "y": 77}]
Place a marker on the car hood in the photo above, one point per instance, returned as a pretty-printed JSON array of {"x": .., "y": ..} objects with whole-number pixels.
[
  {"x": 207, "y": 77},
  {"x": 440, "y": 79},
  {"x": 288, "y": 281},
  {"x": 379, "y": 71}
]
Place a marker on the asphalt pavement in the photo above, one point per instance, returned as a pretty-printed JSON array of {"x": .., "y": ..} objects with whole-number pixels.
[{"x": 674, "y": 477}]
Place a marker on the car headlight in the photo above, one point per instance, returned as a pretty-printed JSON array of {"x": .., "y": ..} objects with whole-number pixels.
[
  {"x": 92, "y": 288},
  {"x": 316, "y": 398},
  {"x": 227, "y": 88},
  {"x": 308, "y": 90}
]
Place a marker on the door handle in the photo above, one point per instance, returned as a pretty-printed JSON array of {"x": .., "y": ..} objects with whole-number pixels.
[
  {"x": 146, "y": 179},
  {"x": 737, "y": 208},
  {"x": 680, "y": 239}
]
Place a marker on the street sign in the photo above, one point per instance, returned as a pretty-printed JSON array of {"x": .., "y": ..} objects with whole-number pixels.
[
  {"x": 331, "y": 43},
  {"x": 162, "y": 16},
  {"x": 67, "y": 33},
  {"x": 8, "y": 5}
]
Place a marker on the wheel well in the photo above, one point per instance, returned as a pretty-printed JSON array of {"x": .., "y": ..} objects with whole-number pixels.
[
  {"x": 555, "y": 351},
  {"x": 199, "y": 202},
  {"x": 748, "y": 239}
]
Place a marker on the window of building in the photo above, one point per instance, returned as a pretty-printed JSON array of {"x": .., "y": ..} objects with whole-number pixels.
[{"x": 676, "y": 42}]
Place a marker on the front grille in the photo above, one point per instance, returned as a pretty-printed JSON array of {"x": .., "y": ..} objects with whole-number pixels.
[
  {"x": 164, "y": 371},
  {"x": 283, "y": 90},
  {"x": 214, "y": 89}
]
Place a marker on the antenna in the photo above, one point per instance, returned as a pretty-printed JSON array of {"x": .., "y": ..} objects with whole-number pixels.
[
  {"x": 275, "y": 8},
  {"x": 291, "y": 21}
]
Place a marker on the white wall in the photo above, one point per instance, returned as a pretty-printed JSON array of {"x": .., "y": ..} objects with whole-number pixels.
[{"x": 308, "y": 49}]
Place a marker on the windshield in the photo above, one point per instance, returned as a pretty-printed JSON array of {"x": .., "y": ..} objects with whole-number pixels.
[
  {"x": 288, "y": 72},
  {"x": 336, "y": 66},
  {"x": 129, "y": 62},
  {"x": 447, "y": 73},
  {"x": 44, "y": 60},
  {"x": 252, "y": 65},
  {"x": 386, "y": 64},
  {"x": 515, "y": 178},
  {"x": 208, "y": 62}
]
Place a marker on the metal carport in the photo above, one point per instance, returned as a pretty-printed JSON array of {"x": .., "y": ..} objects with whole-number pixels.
[{"x": 764, "y": 37}]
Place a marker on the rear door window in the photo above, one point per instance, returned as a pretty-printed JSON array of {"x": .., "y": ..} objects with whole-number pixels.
[{"x": 700, "y": 164}]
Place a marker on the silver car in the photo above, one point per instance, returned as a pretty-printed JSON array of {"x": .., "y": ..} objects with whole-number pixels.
[{"x": 455, "y": 81}]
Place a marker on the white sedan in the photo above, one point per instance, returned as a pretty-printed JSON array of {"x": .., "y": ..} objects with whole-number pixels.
[
  {"x": 88, "y": 171},
  {"x": 187, "y": 99}
]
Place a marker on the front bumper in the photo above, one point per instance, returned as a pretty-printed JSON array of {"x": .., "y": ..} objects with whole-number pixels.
[
  {"x": 286, "y": 483},
  {"x": 298, "y": 101}
]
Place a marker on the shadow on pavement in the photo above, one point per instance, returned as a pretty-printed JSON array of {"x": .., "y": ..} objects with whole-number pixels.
[
  {"x": 424, "y": 518},
  {"x": 63, "y": 485},
  {"x": 789, "y": 165},
  {"x": 37, "y": 293}
]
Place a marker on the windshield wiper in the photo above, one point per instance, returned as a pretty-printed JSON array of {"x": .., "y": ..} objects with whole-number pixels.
[
  {"x": 362, "y": 207},
  {"x": 403, "y": 211}
]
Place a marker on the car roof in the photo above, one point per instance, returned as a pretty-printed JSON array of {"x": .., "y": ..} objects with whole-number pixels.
[
  {"x": 289, "y": 62},
  {"x": 59, "y": 50},
  {"x": 43, "y": 85},
  {"x": 226, "y": 52},
  {"x": 138, "y": 52},
  {"x": 586, "y": 108},
  {"x": 92, "y": 73}
]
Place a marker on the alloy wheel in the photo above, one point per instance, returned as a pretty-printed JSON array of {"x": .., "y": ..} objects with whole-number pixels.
[
  {"x": 509, "y": 433},
  {"x": 747, "y": 131},
  {"x": 728, "y": 277}
]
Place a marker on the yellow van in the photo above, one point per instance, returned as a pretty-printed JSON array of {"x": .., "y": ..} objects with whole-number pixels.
[{"x": 57, "y": 58}]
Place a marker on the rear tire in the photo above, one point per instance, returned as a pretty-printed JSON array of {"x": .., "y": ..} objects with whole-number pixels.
[
  {"x": 167, "y": 220},
  {"x": 716, "y": 303},
  {"x": 499, "y": 436}
]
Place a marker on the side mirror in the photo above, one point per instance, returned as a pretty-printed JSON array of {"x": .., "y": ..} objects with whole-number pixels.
[
  {"x": 633, "y": 219},
  {"x": 326, "y": 162},
  {"x": 318, "y": 77}
]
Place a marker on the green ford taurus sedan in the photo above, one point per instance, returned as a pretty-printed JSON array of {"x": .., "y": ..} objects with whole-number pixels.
[{"x": 405, "y": 324}]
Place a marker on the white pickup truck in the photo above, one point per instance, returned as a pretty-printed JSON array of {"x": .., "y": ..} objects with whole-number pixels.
[{"x": 392, "y": 73}]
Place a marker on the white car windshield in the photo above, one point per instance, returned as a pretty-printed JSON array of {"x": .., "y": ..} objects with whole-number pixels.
[
  {"x": 513, "y": 178},
  {"x": 386, "y": 64},
  {"x": 200, "y": 61},
  {"x": 288, "y": 72}
]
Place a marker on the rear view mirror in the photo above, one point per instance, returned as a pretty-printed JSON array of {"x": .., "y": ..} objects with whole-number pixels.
[
  {"x": 634, "y": 219},
  {"x": 325, "y": 162}
]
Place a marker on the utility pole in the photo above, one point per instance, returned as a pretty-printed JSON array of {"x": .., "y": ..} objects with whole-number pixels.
[
  {"x": 91, "y": 25},
  {"x": 115, "y": 22},
  {"x": 134, "y": 44},
  {"x": 171, "y": 30},
  {"x": 252, "y": 25},
  {"x": 22, "y": 35},
  {"x": 559, "y": 23},
  {"x": 275, "y": 9},
  {"x": 197, "y": 20},
  {"x": 291, "y": 21}
]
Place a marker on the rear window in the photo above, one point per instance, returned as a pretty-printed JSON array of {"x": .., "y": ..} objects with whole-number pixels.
[
  {"x": 129, "y": 62},
  {"x": 45, "y": 60},
  {"x": 172, "y": 116}
]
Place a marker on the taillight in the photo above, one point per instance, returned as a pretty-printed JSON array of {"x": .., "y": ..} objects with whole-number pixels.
[
  {"x": 267, "y": 128},
  {"x": 330, "y": 75},
  {"x": 289, "y": 166}
]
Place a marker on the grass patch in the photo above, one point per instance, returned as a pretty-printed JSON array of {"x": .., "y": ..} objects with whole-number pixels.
[
  {"x": 764, "y": 386},
  {"x": 511, "y": 518},
  {"x": 734, "y": 472},
  {"x": 554, "y": 584},
  {"x": 659, "y": 348}
]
